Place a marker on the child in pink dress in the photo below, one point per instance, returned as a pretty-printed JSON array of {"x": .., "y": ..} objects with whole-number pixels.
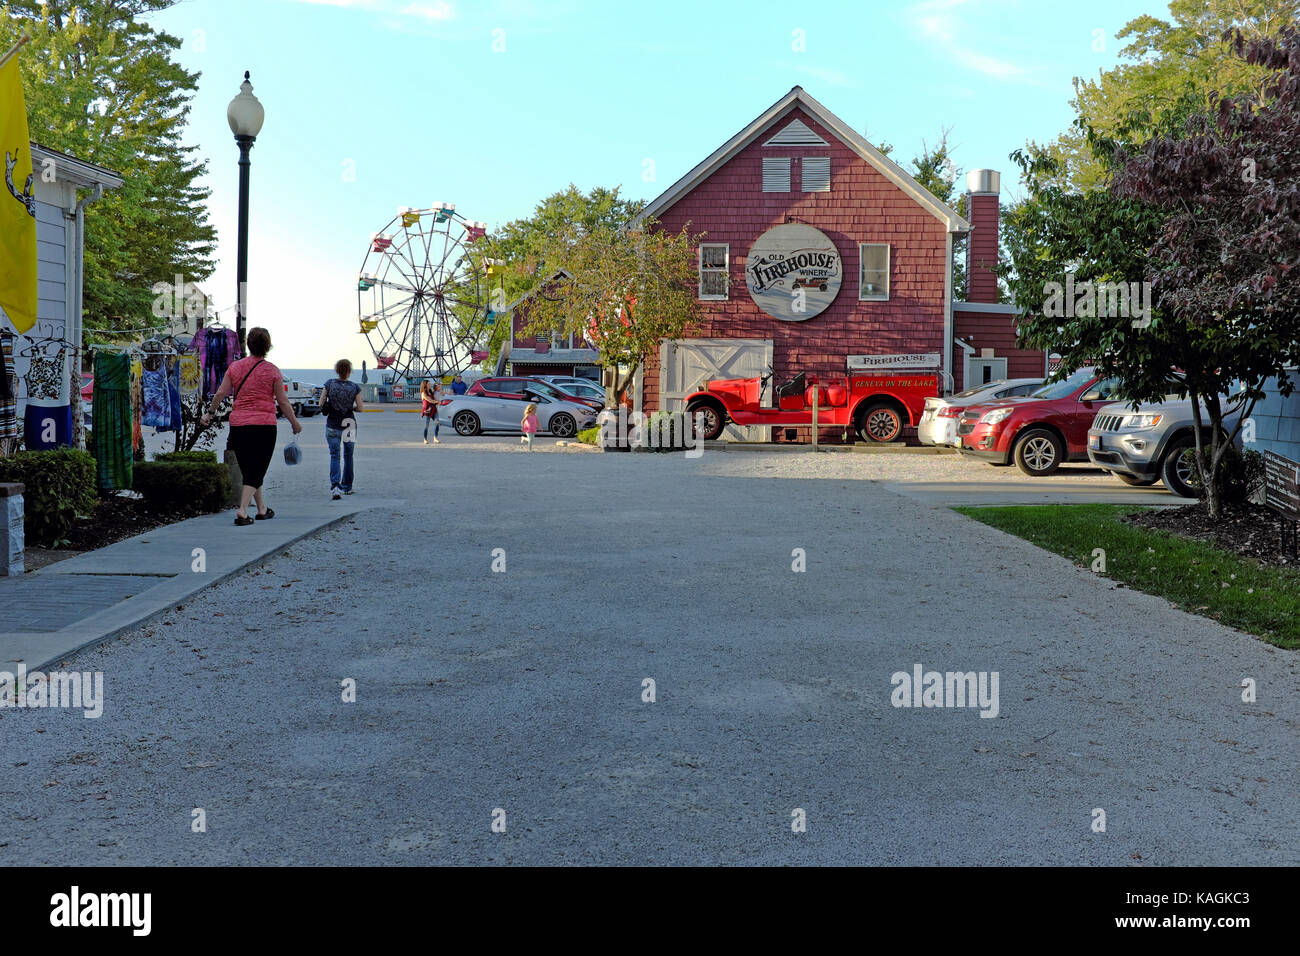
[{"x": 529, "y": 425}]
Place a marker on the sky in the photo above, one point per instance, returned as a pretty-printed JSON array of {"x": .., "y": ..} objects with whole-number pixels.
[{"x": 495, "y": 104}]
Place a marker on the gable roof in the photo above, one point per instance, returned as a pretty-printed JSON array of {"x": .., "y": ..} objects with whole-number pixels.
[{"x": 798, "y": 98}]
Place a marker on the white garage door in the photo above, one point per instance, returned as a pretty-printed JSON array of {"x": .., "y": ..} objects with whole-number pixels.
[{"x": 685, "y": 364}]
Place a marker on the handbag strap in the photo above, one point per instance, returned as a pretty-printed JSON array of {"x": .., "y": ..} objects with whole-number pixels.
[{"x": 235, "y": 393}]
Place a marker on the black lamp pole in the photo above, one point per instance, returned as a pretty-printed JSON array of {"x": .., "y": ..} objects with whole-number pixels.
[
  {"x": 245, "y": 115},
  {"x": 241, "y": 267}
]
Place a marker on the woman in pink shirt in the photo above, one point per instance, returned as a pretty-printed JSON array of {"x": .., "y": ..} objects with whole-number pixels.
[{"x": 258, "y": 388}]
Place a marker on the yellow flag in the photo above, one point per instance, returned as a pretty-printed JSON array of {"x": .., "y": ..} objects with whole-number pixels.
[{"x": 17, "y": 205}]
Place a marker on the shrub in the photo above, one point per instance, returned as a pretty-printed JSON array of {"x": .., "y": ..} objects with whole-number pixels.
[
  {"x": 209, "y": 457},
  {"x": 590, "y": 436},
  {"x": 665, "y": 431},
  {"x": 58, "y": 486},
  {"x": 203, "y": 485},
  {"x": 1242, "y": 476}
]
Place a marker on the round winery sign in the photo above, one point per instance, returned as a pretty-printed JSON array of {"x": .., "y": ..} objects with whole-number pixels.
[{"x": 793, "y": 272}]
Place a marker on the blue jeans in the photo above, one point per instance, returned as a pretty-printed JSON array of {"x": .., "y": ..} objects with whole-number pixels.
[
  {"x": 334, "y": 437},
  {"x": 433, "y": 419}
]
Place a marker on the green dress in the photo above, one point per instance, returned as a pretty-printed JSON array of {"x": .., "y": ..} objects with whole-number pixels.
[{"x": 111, "y": 433}]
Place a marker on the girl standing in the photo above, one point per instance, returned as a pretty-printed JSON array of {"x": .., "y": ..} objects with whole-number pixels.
[
  {"x": 529, "y": 425},
  {"x": 430, "y": 396}
]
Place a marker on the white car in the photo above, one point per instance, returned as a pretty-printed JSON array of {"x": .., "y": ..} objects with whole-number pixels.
[
  {"x": 938, "y": 424},
  {"x": 475, "y": 414},
  {"x": 303, "y": 396}
]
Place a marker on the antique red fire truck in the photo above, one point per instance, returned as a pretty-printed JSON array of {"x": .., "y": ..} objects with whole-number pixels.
[{"x": 877, "y": 405}]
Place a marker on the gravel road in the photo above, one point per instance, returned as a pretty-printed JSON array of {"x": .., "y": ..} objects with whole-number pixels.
[{"x": 521, "y": 691}]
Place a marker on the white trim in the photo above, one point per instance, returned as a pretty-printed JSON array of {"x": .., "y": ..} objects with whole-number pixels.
[
  {"x": 992, "y": 307},
  {"x": 76, "y": 171},
  {"x": 889, "y": 264},
  {"x": 845, "y": 133},
  {"x": 968, "y": 348},
  {"x": 726, "y": 272},
  {"x": 949, "y": 329}
]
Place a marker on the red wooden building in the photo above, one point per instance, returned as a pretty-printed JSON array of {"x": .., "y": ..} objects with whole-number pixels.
[{"x": 799, "y": 193}]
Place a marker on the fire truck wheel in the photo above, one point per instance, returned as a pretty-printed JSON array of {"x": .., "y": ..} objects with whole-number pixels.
[
  {"x": 880, "y": 423},
  {"x": 711, "y": 420},
  {"x": 1039, "y": 453}
]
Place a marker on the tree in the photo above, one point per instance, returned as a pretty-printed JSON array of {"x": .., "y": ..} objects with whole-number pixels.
[
  {"x": 101, "y": 84},
  {"x": 630, "y": 288},
  {"x": 534, "y": 248},
  {"x": 1224, "y": 267},
  {"x": 1171, "y": 68},
  {"x": 934, "y": 170}
]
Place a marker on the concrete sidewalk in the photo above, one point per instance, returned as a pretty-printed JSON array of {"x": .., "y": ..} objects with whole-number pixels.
[{"x": 50, "y": 614}]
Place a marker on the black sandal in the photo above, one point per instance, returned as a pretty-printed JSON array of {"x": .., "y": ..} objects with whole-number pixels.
[
  {"x": 270, "y": 513},
  {"x": 243, "y": 521}
]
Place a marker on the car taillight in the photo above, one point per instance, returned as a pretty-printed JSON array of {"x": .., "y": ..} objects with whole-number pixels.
[
  {"x": 950, "y": 411},
  {"x": 445, "y": 401}
]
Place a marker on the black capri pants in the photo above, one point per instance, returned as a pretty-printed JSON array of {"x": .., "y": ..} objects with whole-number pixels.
[{"x": 253, "y": 446}]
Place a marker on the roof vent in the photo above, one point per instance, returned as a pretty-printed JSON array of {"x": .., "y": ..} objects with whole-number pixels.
[{"x": 796, "y": 134}]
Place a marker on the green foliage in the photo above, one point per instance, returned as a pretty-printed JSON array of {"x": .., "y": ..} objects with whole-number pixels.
[
  {"x": 665, "y": 431},
  {"x": 209, "y": 457},
  {"x": 101, "y": 84},
  {"x": 629, "y": 289},
  {"x": 203, "y": 485},
  {"x": 1170, "y": 69},
  {"x": 58, "y": 486},
  {"x": 590, "y": 436},
  {"x": 1262, "y": 600}
]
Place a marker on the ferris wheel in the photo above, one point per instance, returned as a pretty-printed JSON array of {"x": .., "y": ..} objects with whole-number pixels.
[{"x": 429, "y": 293}]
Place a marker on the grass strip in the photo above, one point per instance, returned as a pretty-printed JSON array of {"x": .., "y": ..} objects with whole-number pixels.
[{"x": 1192, "y": 575}]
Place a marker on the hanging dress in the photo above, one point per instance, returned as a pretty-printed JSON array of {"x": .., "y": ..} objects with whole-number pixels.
[
  {"x": 157, "y": 411},
  {"x": 137, "y": 404},
  {"x": 47, "y": 421},
  {"x": 111, "y": 438}
]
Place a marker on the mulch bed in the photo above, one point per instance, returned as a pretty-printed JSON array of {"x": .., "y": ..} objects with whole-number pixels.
[
  {"x": 114, "y": 519},
  {"x": 1251, "y": 531}
]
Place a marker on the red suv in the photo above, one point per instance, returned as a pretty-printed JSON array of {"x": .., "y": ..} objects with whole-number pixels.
[
  {"x": 514, "y": 386},
  {"x": 1041, "y": 430}
]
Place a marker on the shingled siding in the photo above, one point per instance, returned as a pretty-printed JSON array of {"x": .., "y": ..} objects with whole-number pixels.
[
  {"x": 1277, "y": 424},
  {"x": 862, "y": 206},
  {"x": 997, "y": 331}
]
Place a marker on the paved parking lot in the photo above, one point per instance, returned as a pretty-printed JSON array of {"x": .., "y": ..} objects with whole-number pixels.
[{"x": 521, "y": 694}]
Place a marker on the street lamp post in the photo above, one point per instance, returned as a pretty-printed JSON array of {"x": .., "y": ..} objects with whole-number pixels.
[{"x": 245, "y": 116}]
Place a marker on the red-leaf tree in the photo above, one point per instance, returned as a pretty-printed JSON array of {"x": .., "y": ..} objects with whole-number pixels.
[{"x": 1224, "y": 268}]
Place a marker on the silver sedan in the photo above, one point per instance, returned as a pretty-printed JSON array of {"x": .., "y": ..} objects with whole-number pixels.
[
  {"x": 938, "y": 424},
  {"x": 475, "y": 414}
]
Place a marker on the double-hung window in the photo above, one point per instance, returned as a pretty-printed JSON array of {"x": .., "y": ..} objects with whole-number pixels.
[
  {"x": 715, "y": 261},
  {"x": 873, "y": 278}
]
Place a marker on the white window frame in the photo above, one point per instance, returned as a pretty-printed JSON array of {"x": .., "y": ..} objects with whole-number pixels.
[
  {"x": 725, "y": 270},
  {"x": 863, "y": 296}
]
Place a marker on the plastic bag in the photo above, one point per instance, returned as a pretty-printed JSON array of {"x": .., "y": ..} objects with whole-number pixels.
[{"x": 292, "y": 453}]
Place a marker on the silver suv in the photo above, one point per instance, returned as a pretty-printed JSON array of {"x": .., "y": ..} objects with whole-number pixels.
[{"x": 1146, "y": 445}]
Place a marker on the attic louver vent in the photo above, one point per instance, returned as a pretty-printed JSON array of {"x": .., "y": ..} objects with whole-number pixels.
[
  {"x": 796, "y": 134},
  {"x": 776, "y": 175},
  {"x": 816, "y": 174}
]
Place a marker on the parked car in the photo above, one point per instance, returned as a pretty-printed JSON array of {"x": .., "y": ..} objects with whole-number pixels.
[
  {"x": 1041, "y": 430},
  {"x": 511, "y": 386},
  {"x": 1144, "y": 445},
  {"x": 878, "y": 405},
  {"x": 475, "y": 414},
  {"x": 938, "y": 425},
  {"x": 579, "y": 387}
]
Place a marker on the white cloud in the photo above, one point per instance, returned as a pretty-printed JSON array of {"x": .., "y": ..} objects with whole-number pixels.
[{"x": 941, "y": 22}]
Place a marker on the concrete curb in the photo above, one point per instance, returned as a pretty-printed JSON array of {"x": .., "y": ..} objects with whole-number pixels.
[
  {"x": 859, "y": 449},
  {"x": 38, "y": 650}
]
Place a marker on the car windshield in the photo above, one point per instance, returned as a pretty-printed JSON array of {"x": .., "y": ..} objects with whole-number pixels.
[
  {"x": 978, "y": 388},
  {"x": 544, "y": 389},
  {"x": 1066, "y": 386}
]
